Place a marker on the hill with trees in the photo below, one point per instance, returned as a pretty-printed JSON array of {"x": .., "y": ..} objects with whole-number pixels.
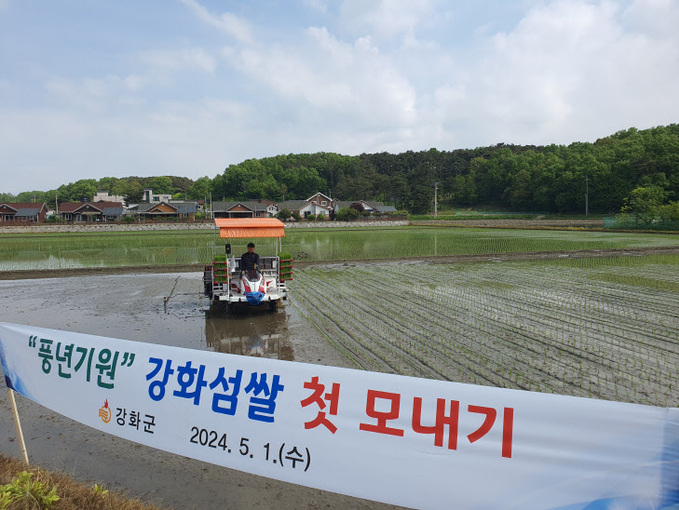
[{"x": 552, "y": 178}]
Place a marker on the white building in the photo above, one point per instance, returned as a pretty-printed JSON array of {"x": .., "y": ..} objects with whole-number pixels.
[
  {"x": 150, "y": 198},
  {"x": 103, "y": 196}
]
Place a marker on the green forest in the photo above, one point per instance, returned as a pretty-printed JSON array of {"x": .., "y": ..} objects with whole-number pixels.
[{"x": 523, "y": 178}]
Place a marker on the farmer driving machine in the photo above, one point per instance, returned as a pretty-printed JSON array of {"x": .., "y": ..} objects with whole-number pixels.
[{"x": 226, "y": 281}]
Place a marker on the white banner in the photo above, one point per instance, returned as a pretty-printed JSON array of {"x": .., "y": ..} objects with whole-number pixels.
[{"x": 413, "y": 442}]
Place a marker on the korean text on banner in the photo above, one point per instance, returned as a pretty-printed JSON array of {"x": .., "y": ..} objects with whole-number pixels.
[{"x": 413, "y": 442}]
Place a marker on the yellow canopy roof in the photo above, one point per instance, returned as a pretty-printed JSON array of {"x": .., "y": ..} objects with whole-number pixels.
[{"x": 230, "y": 228}]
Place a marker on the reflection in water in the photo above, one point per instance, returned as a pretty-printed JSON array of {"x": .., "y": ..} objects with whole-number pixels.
[{"x": 249, "y": 331}]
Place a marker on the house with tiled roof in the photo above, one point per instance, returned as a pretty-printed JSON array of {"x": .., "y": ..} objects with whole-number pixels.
[
  {"x": 321, "y": 200},
  {"x": 90, "y": 211},
  {"x": 317, "y": 205},
  {"x": 303, "y": 208},
  {"x": 164, "y": 210},
  {"x": 244, "y": 209},
  {"x": 23, "y": 212},
  {"x": 373, "y": 207},
  {"x": 366, "y": 206},
  {"x": 342, "y": 204}
]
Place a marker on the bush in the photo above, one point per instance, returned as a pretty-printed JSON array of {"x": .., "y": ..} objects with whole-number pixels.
[
  {"x": 284, "y": 214},
  {"x": 347, "y": 214},
  {"x": 39, "y": 489},
  {"x": 27, "y": 493},
  {"x": 669, "y": 213},
  {"x": 310, "y": 217},
  {"x": 128, "y": 219}
]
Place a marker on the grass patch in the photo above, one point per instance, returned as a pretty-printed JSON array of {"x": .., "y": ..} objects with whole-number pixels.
[
  {"x": 35, "y": 488},
  {"x": 623, "y": 261},
  {"x": 473, "y": 216},
  {"x": 490, "y": 284},
  {"x": 637, "y": 281}
]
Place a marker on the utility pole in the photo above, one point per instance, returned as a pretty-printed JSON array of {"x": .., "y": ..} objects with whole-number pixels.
[
  {"x": 436, "y": 188},
  {"x": 587, "y": 196}
]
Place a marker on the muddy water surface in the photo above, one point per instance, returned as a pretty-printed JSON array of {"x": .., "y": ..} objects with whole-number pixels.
[{"x": 167, "y": 309}]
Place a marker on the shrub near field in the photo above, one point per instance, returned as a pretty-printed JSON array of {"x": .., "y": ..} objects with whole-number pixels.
[
  {"x": 23, "y": 487},
  {"x": 604, "y": 328}
]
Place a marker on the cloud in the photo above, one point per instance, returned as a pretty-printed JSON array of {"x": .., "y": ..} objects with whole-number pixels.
[
  {"x": 34, "y": 145},
  {"x": 162, "y": 69},
  {"x": 337, "y": 78},
  {"x": 317, "y": 5},
  {"x": 173, "y": 139},
  {"x": 96, "y": 95},
  {"x": 657, "y": 18},
  {"x": 229, "y": 23},
  {"x": 193, "y": 58},
  {"x": 386, "y": 19},
  {"x": 569, "y": 69}
]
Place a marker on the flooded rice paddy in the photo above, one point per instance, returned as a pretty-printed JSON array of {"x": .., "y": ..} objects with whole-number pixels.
[
  {"x": 56, "y": 251},
  {"x": 604, "y": 327}
]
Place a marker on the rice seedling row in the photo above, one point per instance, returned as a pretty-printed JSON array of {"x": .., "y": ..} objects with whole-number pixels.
[
  {"x": 605, "y": 329},
  {"x": 370, "y": 322},
  {"x": 527, "y": 317},
  {"x": 336, "y": 326},
  {"x": 435, "y": 351},
  {"x": 447, "y": 350},
  {"x": 647, "y": 327},
  {"x": 126, "y": 248},
  {"x": 495, "y": 343}
]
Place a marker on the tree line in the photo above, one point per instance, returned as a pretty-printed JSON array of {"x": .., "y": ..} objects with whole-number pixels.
[{"x": 552, "y": 178}]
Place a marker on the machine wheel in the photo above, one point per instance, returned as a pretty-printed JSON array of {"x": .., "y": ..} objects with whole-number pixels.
[{"x": 273, "y": 306}]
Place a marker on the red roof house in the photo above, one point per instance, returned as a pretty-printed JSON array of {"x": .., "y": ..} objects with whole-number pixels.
[{"x": 25, "y": 212}]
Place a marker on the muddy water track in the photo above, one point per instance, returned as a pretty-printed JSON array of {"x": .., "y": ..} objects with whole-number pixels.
[{"x": 165, "y": 308}]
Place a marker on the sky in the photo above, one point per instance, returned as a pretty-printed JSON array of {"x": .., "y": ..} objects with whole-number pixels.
[{"x": 97, "y": 88}]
